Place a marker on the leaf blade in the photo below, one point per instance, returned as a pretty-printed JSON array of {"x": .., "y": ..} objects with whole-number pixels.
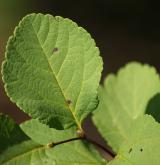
[
  {"x": 32, "y": 153},
  {"x": 42, "y": 134},
  {"x": 143, "y": 141},
  {"x": 123, "y": 99},
  {"x": 69, "y": 68}
]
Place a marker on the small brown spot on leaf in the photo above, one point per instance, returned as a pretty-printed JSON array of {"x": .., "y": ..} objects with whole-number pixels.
[
  {"x": 55, "y": 50},
  {"x": 69, "y": 102},
  {"x": 130, "y": 150},
  {"x": 141, "y": 149}
]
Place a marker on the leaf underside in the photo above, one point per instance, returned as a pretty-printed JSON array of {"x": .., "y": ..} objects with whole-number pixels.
[
  {"x": 143, "y": 140},
  {"x": 123, "y": 98},
  {"x": 42, "y": 134},
  {"x": 28, "y": 152},
  {"x": 52, "y": 70},
  {"x": 19, "y": 149},
  {"x": 142, "y": 145}
]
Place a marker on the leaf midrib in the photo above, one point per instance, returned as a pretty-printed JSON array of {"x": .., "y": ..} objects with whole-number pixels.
[{"x": 49, "y": 64}]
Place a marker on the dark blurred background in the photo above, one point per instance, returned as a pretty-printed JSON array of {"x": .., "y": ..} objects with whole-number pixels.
[{"x": 124, "y": 31}]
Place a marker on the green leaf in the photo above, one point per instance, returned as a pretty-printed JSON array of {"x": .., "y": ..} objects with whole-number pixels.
[
  {"x": 42, "y": 134},
  {"x": 79, "y": 153},
  {"x": 10, "y": 133},
  {"x": 153, "y": 107},
  {"x": 123, "y": 99},
  {"x": 142, "y": 144},
  {"x": 52, "y": 70}
]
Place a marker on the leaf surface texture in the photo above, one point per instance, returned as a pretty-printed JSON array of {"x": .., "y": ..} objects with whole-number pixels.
[
  {"x": 123, "y": 98},
  {"x": 52, "y": 70}
]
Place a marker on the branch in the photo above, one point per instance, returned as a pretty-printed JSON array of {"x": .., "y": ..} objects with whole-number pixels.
[
  {"x": 50, "y": 145},
  {"x": 107, "y": 150}
]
